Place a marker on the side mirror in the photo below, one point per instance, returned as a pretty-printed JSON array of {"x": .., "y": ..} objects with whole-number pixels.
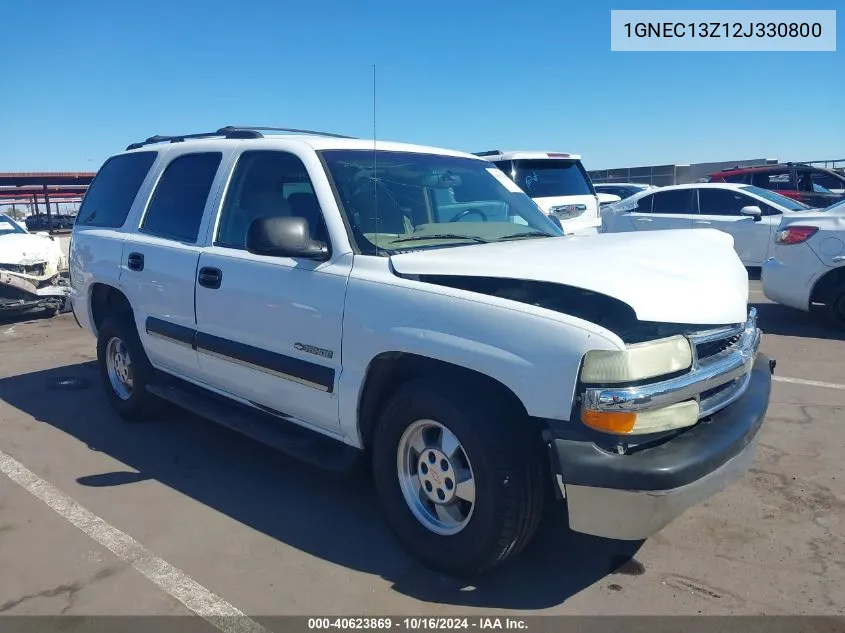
[
  {"x": 754, "y": 211},
  {"x": 284, "y": 237}
]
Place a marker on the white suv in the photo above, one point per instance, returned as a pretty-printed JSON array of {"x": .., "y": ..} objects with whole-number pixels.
[
  {"x": 558, "y": 183},
  {"x": 408, "y": 307}
]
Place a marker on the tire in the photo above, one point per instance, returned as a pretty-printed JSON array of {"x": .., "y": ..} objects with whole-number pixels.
[
  {"x": 507, "y": 465},
  {"x": 835, "y": 307},
  {"x": 132, "y": 402}
]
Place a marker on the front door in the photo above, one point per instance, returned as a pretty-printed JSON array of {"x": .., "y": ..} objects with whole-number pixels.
[
  {"x": 269, "y": 328},
  {"x": 720, "y": 209}
]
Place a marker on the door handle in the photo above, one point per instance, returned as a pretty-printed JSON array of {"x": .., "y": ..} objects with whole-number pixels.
[
  {"x": 210, "y": 277},
  {"x": 643, "y": 219},
  {"x": 135, "y": 261},
  {"x": 702, "y": 222}
]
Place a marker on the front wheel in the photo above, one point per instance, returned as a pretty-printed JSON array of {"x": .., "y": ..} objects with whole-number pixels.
[{"x": 459, "y": 474}]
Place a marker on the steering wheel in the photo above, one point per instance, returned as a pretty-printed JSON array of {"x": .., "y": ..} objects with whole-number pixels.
[{"x": 466, "y": 212}]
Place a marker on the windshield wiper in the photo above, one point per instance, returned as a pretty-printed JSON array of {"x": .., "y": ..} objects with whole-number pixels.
[
  {"x": 440, "y": 236},
  {"x": 514, "y": 236}
]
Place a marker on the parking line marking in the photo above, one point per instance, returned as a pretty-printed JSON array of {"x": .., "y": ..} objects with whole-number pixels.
[
  {"x": 165, "y": 576},
  {"x": 810, "y": 383}
]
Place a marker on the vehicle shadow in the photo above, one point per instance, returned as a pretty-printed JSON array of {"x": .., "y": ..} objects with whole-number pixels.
[
  {"x": 781, "y": 320},
  {"x": 336, "y": 518}
]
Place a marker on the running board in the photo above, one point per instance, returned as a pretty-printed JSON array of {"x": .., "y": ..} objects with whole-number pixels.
[{"x": 271, "y": 428}]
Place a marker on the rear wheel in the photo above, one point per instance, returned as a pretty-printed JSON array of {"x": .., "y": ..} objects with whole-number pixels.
[
  {"x": 125, "y": 369},
  {"x": 459, "y": 474},
  {"x": 835, "y": 306}
]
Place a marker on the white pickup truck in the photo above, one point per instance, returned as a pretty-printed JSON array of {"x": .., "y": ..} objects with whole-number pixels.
[{"x": 410, "y": 308}]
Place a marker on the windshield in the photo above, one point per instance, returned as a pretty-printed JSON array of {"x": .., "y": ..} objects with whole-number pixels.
[
  {"x": 771, "y": 196},
  {"x": 8, "y": 226},
  {"x": 546, "y": 178},
  {"x": 403, "y": 200}
]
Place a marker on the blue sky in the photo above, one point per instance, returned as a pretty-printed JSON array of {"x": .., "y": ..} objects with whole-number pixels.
[{"x": 84, "y": 79}]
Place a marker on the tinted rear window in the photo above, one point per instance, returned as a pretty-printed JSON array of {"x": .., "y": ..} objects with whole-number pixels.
[
  {"x": 546, "y": 178},
  {"x": 113, "y": 190},
  {"x": 177, "y": 206}
]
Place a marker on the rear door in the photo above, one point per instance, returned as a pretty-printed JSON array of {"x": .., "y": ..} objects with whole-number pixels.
[
  {"x": 97, "y": 241},
  {"x": 672, "y": 209},
  {"x": 720, "y": 209},
  {"x": 160, "y": 259}
]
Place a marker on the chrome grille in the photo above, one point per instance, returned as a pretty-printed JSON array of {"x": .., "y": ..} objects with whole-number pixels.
[
  {"x": 714, "y": 342},
  {"x": 711, "y": 348}
]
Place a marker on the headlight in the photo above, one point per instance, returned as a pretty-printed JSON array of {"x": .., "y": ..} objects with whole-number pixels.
[{"x": 638, "y": 362}]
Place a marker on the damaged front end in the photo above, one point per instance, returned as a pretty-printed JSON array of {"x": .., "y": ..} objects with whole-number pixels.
[
  {"x": 33, "y": 286},
  {"x": 34, "y": 272}
]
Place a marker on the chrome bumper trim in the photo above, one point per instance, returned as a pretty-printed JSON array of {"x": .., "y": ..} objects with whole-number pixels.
[{"x": 733, "y": 364}]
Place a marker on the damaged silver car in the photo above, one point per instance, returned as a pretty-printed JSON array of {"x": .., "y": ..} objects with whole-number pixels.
[{"x": 33, "y": 271}]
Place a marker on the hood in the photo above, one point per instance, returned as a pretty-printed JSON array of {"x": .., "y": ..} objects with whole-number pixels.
[
  {"x": 674, "y": 276},
  {"x": 26, "y": 248}
]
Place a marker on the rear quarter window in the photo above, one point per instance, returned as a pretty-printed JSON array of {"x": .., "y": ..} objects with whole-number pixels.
[
  {"x": 113, "y": 190},
  {"x": 178, "y": 202}
]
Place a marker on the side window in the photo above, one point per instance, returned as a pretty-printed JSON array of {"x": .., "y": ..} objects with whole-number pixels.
[
  {"x": 268, "y": 183},
  {"x": 773, "y": 180},
  {"x": 113, "y": 190},
  {"x": 677, "y": 202},
  {"x": 175, "y": 211},
  {"x": 643, "y": 204},
  {"x": 505, "y": 166},
  {"x": 767, "y": 209},
  {"x": 827, "y": 181},
  {"x": 722, "y": 202}
]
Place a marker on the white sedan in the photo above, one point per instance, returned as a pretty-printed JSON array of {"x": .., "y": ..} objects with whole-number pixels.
[
  {"x": 807, "y": 265},
  {"x": 750, "y": 214}
]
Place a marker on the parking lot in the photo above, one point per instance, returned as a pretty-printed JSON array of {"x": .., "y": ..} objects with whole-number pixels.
[{"x": 99, "y": 516}]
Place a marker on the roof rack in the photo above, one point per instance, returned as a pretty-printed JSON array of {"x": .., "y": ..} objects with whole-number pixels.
[
  {"x": 491, "y": 152},
  {"x": 230, "y": 131}
]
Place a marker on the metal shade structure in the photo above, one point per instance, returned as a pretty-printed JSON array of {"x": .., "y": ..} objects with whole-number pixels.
[{"x": 40, "y": 187}]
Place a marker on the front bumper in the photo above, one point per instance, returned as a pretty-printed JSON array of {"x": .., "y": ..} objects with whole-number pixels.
[
  {"x": 19, "y": 294},
  {"x": 632, "y": 496}
]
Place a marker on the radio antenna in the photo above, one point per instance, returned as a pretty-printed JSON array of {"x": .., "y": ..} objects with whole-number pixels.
[{"x": 375, "y": 158}]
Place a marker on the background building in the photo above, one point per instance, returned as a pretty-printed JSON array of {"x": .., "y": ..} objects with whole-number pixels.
[{"x": 663, "y": 175}]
